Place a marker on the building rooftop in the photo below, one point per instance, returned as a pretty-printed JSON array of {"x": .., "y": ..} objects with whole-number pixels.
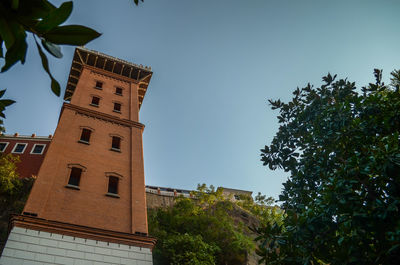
[{"x": 84, "y": 57}]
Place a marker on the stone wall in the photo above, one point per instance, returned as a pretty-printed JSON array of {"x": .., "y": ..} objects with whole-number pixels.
[
  {"x": 158, "y": 201},
  {"x": 25, "y": 246}
]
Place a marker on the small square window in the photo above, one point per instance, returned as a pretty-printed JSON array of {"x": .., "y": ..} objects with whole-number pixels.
[
  {"x": 85, "y": 136},
  {"x": 117, "y": 107},
  {"x": 113, "y": 185},
  {"x": 99, "y": 85},
  {"x": 116, "y": 143},
  {"x": 95, "y": 101},
  {"x": 19, "y": 148},
  {"x": 75, "y": 176},
  {"x": 3, "y": 146},
  {"x": 118, "y": 91},
  {"x": 38, "y": 149}
]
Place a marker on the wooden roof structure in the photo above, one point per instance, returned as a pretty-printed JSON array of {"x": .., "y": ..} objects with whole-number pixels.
[{"x": 85, "y": 57}]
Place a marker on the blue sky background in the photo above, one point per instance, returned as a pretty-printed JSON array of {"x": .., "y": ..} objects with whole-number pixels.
[{"x": 215, "y": 63}]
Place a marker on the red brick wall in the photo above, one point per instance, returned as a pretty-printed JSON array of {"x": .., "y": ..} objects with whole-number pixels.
[
  {"x": 89, "y": 206},
  {"x": 30, "y": 163}
]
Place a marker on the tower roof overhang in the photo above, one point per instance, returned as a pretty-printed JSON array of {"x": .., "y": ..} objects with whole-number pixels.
[{"x": 84, "y": 57}]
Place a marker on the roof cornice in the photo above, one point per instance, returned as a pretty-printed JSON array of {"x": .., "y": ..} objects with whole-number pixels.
[{"x": 115, "y": 67}]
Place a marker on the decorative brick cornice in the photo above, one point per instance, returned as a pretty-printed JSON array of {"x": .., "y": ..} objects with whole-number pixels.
[
  {"x": 81, "y": 231},
  {"x": 102, "y": 116}
]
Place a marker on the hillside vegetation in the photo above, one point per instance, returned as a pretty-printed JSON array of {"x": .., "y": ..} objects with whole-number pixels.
[{"x": 210, "y": 229}]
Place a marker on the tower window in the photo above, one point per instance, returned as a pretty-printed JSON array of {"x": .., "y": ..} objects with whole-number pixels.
[
  {"x": 19, "y": 148},
  {"x": 118, "y": 91},
  {"x": 99, "y": 85},
  {"x": 95, "y": 101},
  {"x": 117, "y": 107},
  {"x": 75, "y": 176},
  {"x": 113, "y": 185},
  {"x": 38, "y": 149},
  {"x": 85, "y": 136},
  {"x": 3, "y": 146},
  {"x": 116, "y": 143}
]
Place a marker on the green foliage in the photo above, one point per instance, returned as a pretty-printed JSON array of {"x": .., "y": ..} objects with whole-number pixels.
[
  {"x": 189, "y": 249},
  {"x": 9, "y": 178},
  {"x": 13, "y": 193},
  {"x": 43, "y": 20},
  {"x": 3, "y": 104},
  {"x": 342, "y": 199},
  {"x": 199, "y": 231}
]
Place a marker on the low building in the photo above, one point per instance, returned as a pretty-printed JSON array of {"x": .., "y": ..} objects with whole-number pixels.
[{"x": 30, "y": 149}]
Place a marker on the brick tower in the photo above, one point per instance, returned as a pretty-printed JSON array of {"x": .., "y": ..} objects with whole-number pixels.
[{"x": 88, "y": 203}]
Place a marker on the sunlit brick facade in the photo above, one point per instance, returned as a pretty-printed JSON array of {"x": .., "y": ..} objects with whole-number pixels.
[{"x": 90, "y": 185}]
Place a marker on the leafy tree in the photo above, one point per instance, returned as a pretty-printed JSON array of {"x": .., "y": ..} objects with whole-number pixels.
[
  {"x": 199, "y": 231},
  {"x": 13, "y": 192},
  {"x": 342, "y": 199},
  {"x": 9, "y": 178},
  {"x": 43, "y": 20},
  {"x": 189, "y": 249}
]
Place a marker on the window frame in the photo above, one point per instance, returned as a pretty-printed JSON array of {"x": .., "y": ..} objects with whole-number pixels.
[
  {"x": 94, "y": 104},
  {"x": 23, "y": 150},
  {"x": 98, "y": 81},
  {"x": 70, "y": 168},
  {"x": 120, "y": 142},
  {"x": 119, "y": 178},
  {"x": 90, "y": 135},
  {"x": 5, "y": 147},
  {"x": 122, "y": 91},
  {"x": 33, "y": 148},
  {"x": 120, "y": 107}
]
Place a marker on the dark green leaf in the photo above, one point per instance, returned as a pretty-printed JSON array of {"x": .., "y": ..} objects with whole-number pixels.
[
  {"x": 71, "y": 35},
  {"x": 55, "y": 18},
  {"x": 55, "y": 86},
  {"x": 6, "y": 102},
  {"x": 2, "y": 93},
  {"x": 34, "y": 9},
  {"x": 6, "y": 32},
  {"x": 16, "y": 53},
  {"x": 1, "y": 48},
  {"x": 52, "y": 48},
  {"x": 14, "y": 4}
]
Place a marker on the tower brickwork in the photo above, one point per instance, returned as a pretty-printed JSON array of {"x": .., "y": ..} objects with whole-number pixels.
[{"x": 91, "y": 183}]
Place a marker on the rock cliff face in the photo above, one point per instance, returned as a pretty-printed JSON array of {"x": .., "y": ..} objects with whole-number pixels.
[{"x": 154, "y": 200}]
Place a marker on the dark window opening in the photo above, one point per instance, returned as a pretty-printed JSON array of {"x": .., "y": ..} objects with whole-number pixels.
[
  {"x": 99, "y": 84},
  {"x": 38, "y": 149},
  {"x": 113, "y": 185},
  {"x": 95, "y": 101},
  {"x": 3, "y": 146},
  {"x": 116, "y": 143},
  {"x": 19, "y": 148},
  {"x": 75, "y": 176},
  {"x": 117, "y": 107},
  {"x": 118, "y": 91},
  {"x": 85, "y": 136}
]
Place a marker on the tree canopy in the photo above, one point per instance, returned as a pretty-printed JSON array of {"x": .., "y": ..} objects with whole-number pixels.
[
  {"x": 340, "y": 145},
  {"x": 204, "y": 230}
]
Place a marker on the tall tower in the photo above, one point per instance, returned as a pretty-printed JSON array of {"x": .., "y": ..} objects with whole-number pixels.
[{"x": 88, "y": 203}]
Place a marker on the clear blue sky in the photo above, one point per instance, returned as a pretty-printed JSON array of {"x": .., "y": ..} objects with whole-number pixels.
[{"x": 215, "y": 63}]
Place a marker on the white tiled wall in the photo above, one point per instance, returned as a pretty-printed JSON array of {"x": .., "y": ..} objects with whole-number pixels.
[{"x": 25, "y": 246}]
